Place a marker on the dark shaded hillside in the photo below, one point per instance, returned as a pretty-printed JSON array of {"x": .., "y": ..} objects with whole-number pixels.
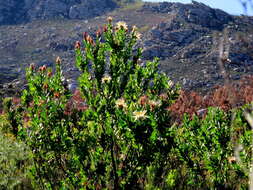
[
  {"x": 20, "y": 11},
  {"x": 186, "y": 37},
  {"x": 195, "y": 13}
]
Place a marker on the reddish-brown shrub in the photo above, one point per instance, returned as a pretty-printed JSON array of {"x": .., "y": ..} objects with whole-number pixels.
[
  {"x": 225, "y": 97},
  {"x": 76, "y": 102}
]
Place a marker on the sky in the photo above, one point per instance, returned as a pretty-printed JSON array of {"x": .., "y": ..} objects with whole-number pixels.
[{"x": 231, "y": 6}]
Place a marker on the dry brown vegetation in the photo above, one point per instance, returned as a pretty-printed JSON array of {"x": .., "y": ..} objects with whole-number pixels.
[{"x": 225, "y": 97}]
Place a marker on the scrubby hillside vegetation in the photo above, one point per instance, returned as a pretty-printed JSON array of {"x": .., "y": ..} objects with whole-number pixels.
[{"x": 124, "y": 128}]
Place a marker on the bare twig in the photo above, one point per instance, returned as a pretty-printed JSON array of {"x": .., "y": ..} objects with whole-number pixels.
[{"x": 224, "y": 47}]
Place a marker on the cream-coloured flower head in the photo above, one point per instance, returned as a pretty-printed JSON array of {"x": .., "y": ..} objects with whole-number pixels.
[
  {"x": 170, "y": 83},
  {"x": 121, "y": 24},
  {"x": 109, "y": 19},
  {"x": 139, "y": 115},
  {"x": 138, "y": 35},
  {"x": 134, "y": 28},
  {"x": 58, "y": 60},
  {"x": 106, "y": 78},
  {"x": 232, "y": 159},
  {"x": 153, "y": 103},
  {"x": 120, "y": 103}
]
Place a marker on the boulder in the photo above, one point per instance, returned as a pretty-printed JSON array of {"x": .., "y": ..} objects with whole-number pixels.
[{"x": 201, "y": 14}]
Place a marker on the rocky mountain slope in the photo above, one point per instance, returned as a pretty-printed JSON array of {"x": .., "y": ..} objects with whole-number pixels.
[
  {"x": 20, "y": 11},
  {"x": 188, "y": 38},
  {"x": 189, "y": 43}
]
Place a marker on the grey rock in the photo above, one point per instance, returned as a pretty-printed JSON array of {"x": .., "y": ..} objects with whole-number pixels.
[
  {"x": 37, "y": 50},
  {"x": 197, "y": 13},
  {"x": 241, "y": 59},
  {"x": 9, "y": 13},
  {"x": 18, "y": 11},
  {"x": 72, "y": 85},
  {"x": 155, "y": 33},
  {"x": 60, "y": 46},
  {"x": 90, "y": 8},
  {"x": 187, "y": 82},
  {"x": 46, "y": 63},
  {"x": 236, "y": 77},
  {"x": 47, "y": 9},
  {"x": 202, "y": 112}
]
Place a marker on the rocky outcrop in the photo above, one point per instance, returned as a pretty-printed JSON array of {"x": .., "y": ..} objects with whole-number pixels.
[
  {"x": 11, "y": 11},
  {"x": 18, "y": 11},
  {"x": 196, "y": 13},
  {"x": 188, "y": 43},
  {"x": 187, "y": 24},
  {"x": 88, "y": 7}
]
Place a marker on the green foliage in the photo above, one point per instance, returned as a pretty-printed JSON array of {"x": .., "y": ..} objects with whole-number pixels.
[
  {"x": 124, "y": 130},
  {"x": 206, "y": 150},
  {"x": 124, "y": 138},
  {"x": 127, "y": 120},
  {"x": 14, "y": 116},
  {"x": 46, "y": 128},
  {"x": 14, "y": 160}
]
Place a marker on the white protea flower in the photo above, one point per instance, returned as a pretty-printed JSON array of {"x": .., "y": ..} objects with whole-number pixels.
[
  {"x": 232, "y": 159},
  {"x": 154, "y": 104},
  {"x": 121, "y": 24},
  {"x": 139, "y": 115},
  {"x": 134, "y": 28},
  {"x": 138, "y": 35},
  {"x": 170, "y": 83},
  {"x": 109, "y": 19},
  {"x": 120, "y": 103},
  {"x": 106, "y": 78},
  {"x": 58, "y": 60}
]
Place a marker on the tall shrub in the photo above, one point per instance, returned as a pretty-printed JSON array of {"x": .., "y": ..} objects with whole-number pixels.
[
  {"x": 120, "y": 137},
  {"x": 126, "y": 123}
]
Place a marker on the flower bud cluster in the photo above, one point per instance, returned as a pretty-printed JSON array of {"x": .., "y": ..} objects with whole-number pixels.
[
  {"x": 88, "y": 38},
  {"x": 144, "y": 100}
]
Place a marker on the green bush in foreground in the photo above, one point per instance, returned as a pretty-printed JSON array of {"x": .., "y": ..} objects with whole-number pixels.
[
  {"x": 127, "y": 118},
  {"x": 207, "y": 150},
  {"x": 14, "y": 160},
  {"x": 123, "y": 133},
  {"x": 124, "y": 138}
]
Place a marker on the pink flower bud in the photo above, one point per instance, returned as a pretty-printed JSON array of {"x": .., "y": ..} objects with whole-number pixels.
[
  {"x": 85, "y": 35},
  {"x": 77, "y": 45},
  {"x": 58, "y": 61}
]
